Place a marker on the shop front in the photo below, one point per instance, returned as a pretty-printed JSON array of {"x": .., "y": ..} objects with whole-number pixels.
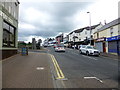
[
  {"x": 114, "y": 44},
  {"x": 100, "y": 44}
]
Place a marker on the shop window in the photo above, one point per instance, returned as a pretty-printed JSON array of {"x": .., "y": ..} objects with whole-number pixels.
[
  {"x": 8, "y": 35},
  {"x": 5, "y": 38},
  {"x": 5, "y": 26}
]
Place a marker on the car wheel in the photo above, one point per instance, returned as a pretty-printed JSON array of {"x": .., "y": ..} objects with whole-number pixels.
[
  {"x": 98, "y": 55},
  {"x": 87, "y": 53},
  {"x": 80, "y": 51}
]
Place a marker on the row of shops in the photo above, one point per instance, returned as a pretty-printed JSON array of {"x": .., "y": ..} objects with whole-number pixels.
[
  {"x": 106, "y": 45},
  {"x": 109, "y": 45}
]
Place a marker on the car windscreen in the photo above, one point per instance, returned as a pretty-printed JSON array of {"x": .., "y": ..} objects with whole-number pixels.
[
  {"x": 60, "y": 45},
  {"x": 90, "y": 47},
  {"x": 83, "y": 46}
]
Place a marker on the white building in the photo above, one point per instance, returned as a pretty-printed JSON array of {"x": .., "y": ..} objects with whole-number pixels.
[
  {"x": 82, "y": 35},
  {"x": 9, "y": 12}
]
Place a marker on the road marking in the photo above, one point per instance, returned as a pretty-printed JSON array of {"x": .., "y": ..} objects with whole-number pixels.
[
  {"x": 89, "y": 77},
  {"x": 89, "y": 57},
  {"x": 40, "y": 68},
  {"x": 60, "y": 75},
  {"x": 94, "y": 78}
]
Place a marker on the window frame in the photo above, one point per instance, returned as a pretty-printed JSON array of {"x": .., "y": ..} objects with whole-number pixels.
[{"x": 11, "y": 36}]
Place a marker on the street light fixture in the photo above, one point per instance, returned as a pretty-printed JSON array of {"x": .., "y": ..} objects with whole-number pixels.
[{"x": 90, "y": 26}]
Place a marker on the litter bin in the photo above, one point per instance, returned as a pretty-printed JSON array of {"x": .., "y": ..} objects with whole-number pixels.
[{"x": 24, "y": 51}]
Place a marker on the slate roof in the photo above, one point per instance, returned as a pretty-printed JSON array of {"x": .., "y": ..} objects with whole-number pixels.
[
  {"x": 81, "y": 29},
  {"x": 112, "y": 23}
]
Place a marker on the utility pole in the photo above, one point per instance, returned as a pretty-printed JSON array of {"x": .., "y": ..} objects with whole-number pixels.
[{"x": 90, "y": 26}]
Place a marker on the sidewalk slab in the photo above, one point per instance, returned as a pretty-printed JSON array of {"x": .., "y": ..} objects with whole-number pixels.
[
  {"x": 32, "y": 71},
  {"x": 110, "y": 55}
]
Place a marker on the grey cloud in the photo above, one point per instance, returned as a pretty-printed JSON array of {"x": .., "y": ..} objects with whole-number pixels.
[{"x": 58, "y": 12}]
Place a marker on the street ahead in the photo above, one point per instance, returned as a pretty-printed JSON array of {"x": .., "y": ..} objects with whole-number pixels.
[
  {"x": 50, "y": 69},
  {"x": 83, "y": 71}
]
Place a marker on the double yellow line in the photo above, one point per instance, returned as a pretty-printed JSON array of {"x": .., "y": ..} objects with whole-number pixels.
[{"x": 59, "y": 72}]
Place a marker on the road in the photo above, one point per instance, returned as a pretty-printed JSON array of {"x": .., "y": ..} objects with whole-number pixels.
[
  {"x": 83, "y": 71},
  {"x": 50, "y": 69}
]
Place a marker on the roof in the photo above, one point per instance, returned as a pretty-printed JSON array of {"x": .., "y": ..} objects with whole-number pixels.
[
  {"x": 59, "y": 36},
  {"x": 81, "y": 29},
  {"x": 112, "y": 23}
]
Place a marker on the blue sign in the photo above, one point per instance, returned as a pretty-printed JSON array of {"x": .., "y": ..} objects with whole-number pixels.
[
  {"x": 113, "y": 38},
  {"x": 24, "y": 51}
]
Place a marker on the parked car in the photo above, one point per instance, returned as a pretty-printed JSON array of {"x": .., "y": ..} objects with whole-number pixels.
[
  {"x": 45, "y": 45},
  {"x": 49, "y": 45},
  {"x": 89, "y": 50},
  {"x": 55, "y": 45},
  {"x": 59, "y": 47}
]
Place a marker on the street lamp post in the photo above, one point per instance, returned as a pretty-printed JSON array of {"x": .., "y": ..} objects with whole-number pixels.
[{"x": 90, "y": 26}]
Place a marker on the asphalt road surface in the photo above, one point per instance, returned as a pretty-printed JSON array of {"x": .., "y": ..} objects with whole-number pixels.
[{"x": 83, "y": 71}]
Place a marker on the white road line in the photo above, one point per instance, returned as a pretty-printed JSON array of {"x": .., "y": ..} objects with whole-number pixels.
[
  {"x": 40, "y": 68},
  {"x": 89, "y": 77},
  {"x": 99, "y": 80},
  {"x": 94, "y": 78}
]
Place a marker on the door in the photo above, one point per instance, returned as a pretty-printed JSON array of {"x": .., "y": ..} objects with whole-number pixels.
[{"x": 104, "y": 47}]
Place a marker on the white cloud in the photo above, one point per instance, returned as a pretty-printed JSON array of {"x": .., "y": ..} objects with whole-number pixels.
[
  {"x": 26, "y": 26},
  {"x": 100, "y": 11},
  {"x": 49, "y": 19},
  {"x": 29, "y": 38},
  {"x": 33, "y": 15}
]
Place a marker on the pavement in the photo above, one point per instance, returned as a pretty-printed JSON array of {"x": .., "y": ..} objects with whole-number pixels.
[
  {"x": 32, "y": 71},
  {"x": 110, "y": 56}
]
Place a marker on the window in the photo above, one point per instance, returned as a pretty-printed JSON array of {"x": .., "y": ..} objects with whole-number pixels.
[
  {"x": 111, "y": 31},
  {"x": 5, "y": 37},
  {"x": 8, "y": 35},
  {"x": 97, "y": 35},
  {"x": 5, "y": 26},
  {"x": 9, "y": 9},
  {"x": 14, "y": 14},
  {"x": 85, "y": 32},
  {"x": 16, "y": 4}
]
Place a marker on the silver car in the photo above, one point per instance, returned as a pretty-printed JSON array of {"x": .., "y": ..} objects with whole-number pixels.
[
  {"x": 59, "y": 47},
  {"x": 89, "y": 50}
]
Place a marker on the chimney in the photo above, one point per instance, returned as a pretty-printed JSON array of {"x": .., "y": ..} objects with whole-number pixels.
[{"x": 105, "y": 22}]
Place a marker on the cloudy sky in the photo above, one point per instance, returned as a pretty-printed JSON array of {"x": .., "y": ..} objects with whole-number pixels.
[{"x": 43, "y": 19}]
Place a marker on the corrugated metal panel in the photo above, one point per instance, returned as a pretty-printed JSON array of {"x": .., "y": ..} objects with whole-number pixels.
[
  {"x": 99, "y": 46},
  {"x": 112, "y": 47},
  {"x": 119, "y": 46}
]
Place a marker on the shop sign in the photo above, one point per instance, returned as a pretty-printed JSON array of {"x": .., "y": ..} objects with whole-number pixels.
[
  {"x": 6, "y": 17},
  {"x": 100, "y": 39},
  {"x": 113, "y": 38}
]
